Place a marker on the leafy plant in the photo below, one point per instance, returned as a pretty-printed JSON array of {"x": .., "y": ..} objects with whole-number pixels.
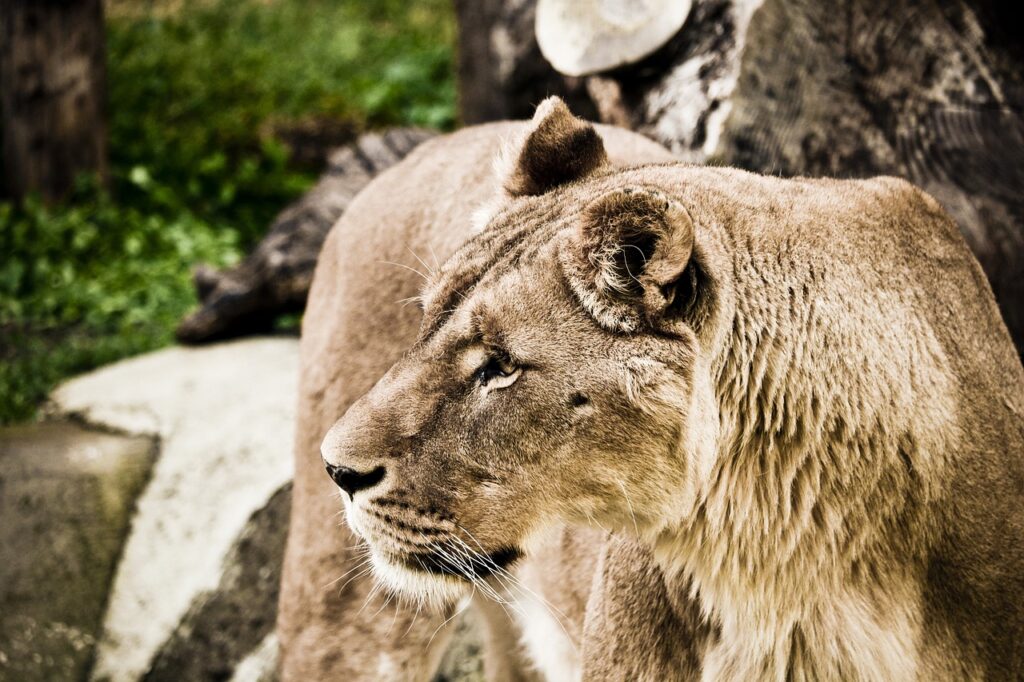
[{"x": 196, "y": 176}]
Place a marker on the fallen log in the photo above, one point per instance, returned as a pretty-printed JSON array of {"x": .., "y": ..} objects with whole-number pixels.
[{"x": 274, "y": 279}]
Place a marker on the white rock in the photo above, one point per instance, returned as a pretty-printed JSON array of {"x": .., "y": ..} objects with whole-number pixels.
[
  {"x": 581, "y": 37},
  {"x": 225, "y": 417},
  {"x": 261, "y": 663}
]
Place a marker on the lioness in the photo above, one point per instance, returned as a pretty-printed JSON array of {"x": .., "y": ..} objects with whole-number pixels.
[
  {"x": 790, "y": 404},
  {"x": 332, "y": 624}
]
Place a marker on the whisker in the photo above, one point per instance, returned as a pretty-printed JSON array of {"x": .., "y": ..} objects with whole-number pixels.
[
  {"x": 630, "y": 504},
  {"x": 517, "y": 584},
  {"x": 419, "y": 605},
  {"x": 377, "y": 587},
  {"x": 457, "y": 613},
  {"x": 385, "y": 604},
  {"x": 366, "y": 571},
  {"x": 402, "y": 265},
  {"x": 437, "y": 262},
  {"x": 394, "y": 619},
  {"x": 362, "y": 563},
  {"x": 429, "y": 269}
]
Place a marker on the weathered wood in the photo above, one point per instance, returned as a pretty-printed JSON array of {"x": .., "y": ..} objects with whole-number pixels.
[
  {"x": 274, "y": 279},
  {"x": 52, "y": 90}
]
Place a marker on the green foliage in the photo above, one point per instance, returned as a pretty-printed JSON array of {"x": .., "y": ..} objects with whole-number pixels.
[
  {"x": 191, "y": 92},
  {"x": 196, "y": 177},
  {"x": 90, "y": 282}
]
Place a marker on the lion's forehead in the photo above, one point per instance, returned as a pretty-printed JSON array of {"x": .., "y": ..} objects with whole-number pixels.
[{"x": 511, "y": 243}]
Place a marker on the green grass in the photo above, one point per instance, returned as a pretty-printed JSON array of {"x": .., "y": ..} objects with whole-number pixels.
[{"x": 195, "y": 175}]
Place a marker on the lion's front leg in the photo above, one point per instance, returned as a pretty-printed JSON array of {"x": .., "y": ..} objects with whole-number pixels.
[{"x": 635, "y": 628}]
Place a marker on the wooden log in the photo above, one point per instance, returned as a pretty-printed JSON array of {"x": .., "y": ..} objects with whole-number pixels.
[{"x": 274, "y": 279}]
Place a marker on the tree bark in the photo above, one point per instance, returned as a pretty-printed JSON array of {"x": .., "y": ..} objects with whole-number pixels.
[
  {"x": 930, "y": 90},
  {"x": 502, "y": 74},
  {"x": 52, "y": 91}
]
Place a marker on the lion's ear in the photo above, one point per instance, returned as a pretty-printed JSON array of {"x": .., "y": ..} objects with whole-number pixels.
[
  {"x": 559, "y": 148},
  {"x": 628, "y": 261}
]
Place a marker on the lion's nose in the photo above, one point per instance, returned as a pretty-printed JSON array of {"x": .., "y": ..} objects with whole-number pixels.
[{"x": 352, "y": 481}]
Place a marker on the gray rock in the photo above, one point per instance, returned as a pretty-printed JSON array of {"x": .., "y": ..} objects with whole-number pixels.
[
  {"x": 929, "y": 91},
  {"x": 224, "y": 625},
  {"x": 66, "y": 496},
  {"x": 190, "y": 591},
  {"x": 932, "y": 92},
  {"x": 260, "y": 665},
  {"x": 224, "y": 416}
]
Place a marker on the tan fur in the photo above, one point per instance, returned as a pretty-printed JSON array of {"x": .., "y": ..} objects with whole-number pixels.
[
  {"x": 358, "y": 322},
  {"x": 792, "y": 405}
]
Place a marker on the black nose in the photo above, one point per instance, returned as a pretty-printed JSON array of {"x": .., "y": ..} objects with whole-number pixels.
[{"x": 352, "y": 481}]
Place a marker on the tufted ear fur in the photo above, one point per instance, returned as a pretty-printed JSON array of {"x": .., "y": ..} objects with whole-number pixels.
[
  {"x": 558, "y": 149},
  {"x": 628, "y": 260}
]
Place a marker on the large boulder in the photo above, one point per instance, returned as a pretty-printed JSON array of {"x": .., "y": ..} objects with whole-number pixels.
[
  {"x": 932, "y": 91},
  {"x": 141, "y": 537}
]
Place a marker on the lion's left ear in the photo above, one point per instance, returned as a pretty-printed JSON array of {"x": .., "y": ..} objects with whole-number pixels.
[
  {"x": 628, "y": 260},
  {"x": 559, "y": 148}
]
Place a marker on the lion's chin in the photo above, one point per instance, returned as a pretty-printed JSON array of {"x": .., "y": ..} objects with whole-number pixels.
[{"x": 437, "y": 591}]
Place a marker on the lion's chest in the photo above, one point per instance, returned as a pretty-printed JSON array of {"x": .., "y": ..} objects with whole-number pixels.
[{"x": 545, "y": 640}]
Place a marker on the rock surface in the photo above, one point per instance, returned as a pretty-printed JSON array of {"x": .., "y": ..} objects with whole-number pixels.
[
  {"x": 931, "y": 91},
  {"x": 202, "y": 456},
  {"x": 224, "y": 417},
  {"x": 66, "y": 497},
  {"x": 223, "y": 626}
]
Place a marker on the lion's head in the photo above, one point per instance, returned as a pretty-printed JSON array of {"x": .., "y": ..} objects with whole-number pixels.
[{"x": 556, "y": 379}]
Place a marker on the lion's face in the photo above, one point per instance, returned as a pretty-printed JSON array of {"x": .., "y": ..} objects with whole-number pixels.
[{"x": 538, "y": 394}]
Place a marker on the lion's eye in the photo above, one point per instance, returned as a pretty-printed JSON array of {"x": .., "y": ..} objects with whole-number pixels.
[{"x": 497, "y": 372}]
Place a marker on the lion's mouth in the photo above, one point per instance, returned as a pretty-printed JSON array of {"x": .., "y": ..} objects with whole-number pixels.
[{"x": 467, "y": 567}]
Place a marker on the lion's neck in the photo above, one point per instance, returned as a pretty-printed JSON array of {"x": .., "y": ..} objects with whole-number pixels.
[{"x": 803, "y": 541}]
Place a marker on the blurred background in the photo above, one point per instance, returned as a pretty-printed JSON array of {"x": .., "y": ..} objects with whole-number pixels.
[
  {"x": 211, "y": 116},
  {"x": 171, "y": 168}
]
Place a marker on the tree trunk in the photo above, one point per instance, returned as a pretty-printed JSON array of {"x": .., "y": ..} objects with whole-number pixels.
[
  {"x": 52, "y": 90},
  {"x": 502, "y": 74},
  {"x": 930, "y": 90}
]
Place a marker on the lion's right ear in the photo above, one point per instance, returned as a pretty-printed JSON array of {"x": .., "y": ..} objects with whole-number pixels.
[
  {"x": 559, "y": 148},
  {"x": 630, "y": 261}
]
